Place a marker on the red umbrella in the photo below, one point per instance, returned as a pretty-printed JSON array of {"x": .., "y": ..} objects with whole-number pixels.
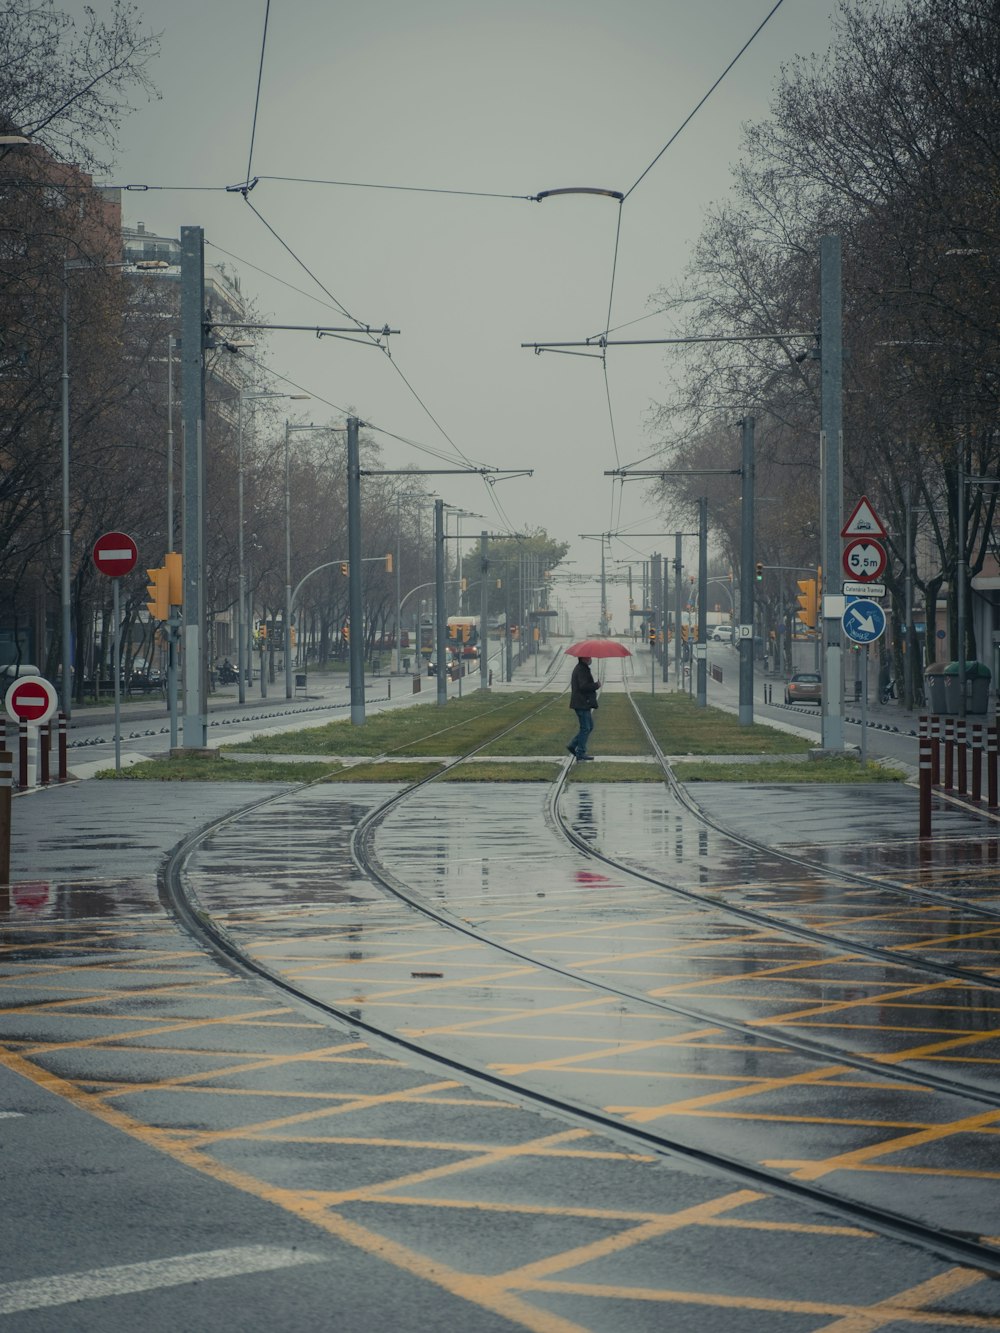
[{"x": 598, "y": 648}]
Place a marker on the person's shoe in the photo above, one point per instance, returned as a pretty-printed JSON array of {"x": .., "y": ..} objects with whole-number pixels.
[
  {"x": 582, "y": 758},
  {"x": 572, "y": 751}
]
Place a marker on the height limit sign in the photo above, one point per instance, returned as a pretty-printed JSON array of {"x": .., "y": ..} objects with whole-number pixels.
[{"x": 864, "y": 558}]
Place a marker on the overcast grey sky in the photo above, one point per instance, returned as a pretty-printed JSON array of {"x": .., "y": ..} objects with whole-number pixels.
[{"x": 511, "y": 98}]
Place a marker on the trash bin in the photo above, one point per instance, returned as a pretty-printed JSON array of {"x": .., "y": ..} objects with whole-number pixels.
[
  {"x": 977, "y": 687},
  {"x": 934, "y": 679}
]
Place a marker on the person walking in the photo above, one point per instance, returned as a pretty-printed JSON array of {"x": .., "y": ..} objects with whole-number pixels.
[{"x": 583, "y": 700}]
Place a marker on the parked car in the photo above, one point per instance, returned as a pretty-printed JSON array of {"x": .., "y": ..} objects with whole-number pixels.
[
  {"x": 805, "y": 687},
  {"x": 721, "y": 634}
]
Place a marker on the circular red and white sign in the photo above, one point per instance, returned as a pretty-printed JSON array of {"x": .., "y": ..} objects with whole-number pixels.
[
  {"x": 864, "y": 558},
  {"x": 31, "y": 699},
  {"x": 115, "y": 554}
]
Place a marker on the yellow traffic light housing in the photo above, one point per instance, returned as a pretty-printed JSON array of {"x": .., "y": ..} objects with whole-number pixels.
[
  {"x": 344, "y": 568},
  {"x": 759, "y": 572},
  {"x": 388, "y": 562},
  {"x": 158, "y": 590},
  {"x": 808, "y": 599},
  {"x": 174, "y": 563}
]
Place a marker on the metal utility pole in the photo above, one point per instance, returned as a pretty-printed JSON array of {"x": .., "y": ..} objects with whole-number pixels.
[
  {"x": 664, "y": 644},
  {"x": 195, "y": 720},
  {"x": 746, "y": 620},
  {"x": 440, "y": 610},
  {"x": 961, "y": 578},
  {"x": 678, "y": 643},
  {"x": 657, "y": 605},
  {"x": 604, "y": 594},
  {"x": 701, "y": 649},
  {"x": 484, "y": 606},
  {"x": 355, "y": 605},
  {"x": 831, "y": 482}
]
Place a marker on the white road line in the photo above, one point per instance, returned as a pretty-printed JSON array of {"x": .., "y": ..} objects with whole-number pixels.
[
  {"x": 125, "y": 1279},
  {"x": 11, "y": 1115}
]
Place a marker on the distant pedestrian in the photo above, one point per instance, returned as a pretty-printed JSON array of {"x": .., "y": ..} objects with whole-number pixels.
[{"x": 583, "y": 700}]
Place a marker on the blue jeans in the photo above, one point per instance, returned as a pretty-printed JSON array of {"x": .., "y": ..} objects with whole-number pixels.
[{"x": 579, "y": 741}]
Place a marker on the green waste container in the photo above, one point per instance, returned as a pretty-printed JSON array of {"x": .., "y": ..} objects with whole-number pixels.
[
  {"x": 934, "y": 687},
  {"x": 977, "y": 687}
]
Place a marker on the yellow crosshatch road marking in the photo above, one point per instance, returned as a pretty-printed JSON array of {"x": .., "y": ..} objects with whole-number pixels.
[
  {"x": 888, "y": 1311},
  {"x": 612, "y": 1050},
  {"x": 858, "y": 1156},
  {"x": 806, "y": 965},
  {"x": 644, "y": 1114},
  {"x": 473, "y": 1162},
  {"x": 673, "y": 1296},
  {"x": 528, "y": 1274},
  {"x": 859, "y": 1002},
  {"x": 355, "y": 1103},
  {"x": 477, "y": 1024},
  {"x": 178, "y": 1025},
  {"x": 884, "y": 1168}
]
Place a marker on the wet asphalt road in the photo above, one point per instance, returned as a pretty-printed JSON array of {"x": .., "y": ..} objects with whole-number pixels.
[{"x": 272, "y": 1169}]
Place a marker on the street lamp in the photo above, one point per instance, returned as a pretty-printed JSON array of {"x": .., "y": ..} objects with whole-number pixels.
[
  {"x": 242, "y": 646},
  {"x": 73, "y": 266}
]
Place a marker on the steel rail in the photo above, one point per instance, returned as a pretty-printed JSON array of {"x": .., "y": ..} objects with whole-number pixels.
[{"x": 198, "y": 923}]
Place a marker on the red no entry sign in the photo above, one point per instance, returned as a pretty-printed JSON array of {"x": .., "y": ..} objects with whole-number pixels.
[
  {"x": 115, "y": 554},
  {"x": 31, "y": 699}
]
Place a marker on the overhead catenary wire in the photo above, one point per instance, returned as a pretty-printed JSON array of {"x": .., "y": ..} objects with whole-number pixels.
[
  {"x": 701, "y": 102},
  {"x": 600, "y": 338},
  {"x": 256, "y": 104}
]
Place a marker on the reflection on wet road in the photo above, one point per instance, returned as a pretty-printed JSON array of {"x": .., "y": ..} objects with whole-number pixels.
[{"x": 500, "y": 866}]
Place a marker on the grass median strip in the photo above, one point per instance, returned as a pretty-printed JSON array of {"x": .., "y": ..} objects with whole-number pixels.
[
  {"x": 827, "y": 769},
  {"x": 407, "y": 745}
]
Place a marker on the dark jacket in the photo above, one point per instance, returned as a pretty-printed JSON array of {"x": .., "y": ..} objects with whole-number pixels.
[{"x": 582, "y": 687}]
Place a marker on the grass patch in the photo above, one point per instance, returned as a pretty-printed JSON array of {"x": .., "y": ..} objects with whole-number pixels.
[
  {"x": 681, "y": 727},
  {"x": 406, "y": 773},
  {"x": 771, "y": 771},
  {"x": 199, "y": 768},
  {"x": 425, "y": 729},
  {"x": 616, "y": 730},
  {"x": 540, "y": 771},
  {"x": 606, "y": 770}
]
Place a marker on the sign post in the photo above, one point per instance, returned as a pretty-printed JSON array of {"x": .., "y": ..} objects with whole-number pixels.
[
  {"x": 31, "y": 700},
  {"x": 115, "y": 554}
]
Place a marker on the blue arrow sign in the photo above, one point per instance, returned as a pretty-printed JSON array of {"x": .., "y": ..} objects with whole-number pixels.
[{"x": 863, "y": 621}]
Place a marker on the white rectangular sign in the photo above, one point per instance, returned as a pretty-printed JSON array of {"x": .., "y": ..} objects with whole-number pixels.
[{"x": 855, "y": 588}]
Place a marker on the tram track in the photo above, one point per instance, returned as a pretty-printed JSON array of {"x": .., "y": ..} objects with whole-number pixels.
[{"x": 951, "y": 1245}]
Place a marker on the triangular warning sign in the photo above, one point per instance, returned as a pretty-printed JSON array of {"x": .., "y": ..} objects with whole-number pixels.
[{"x": 864, "y": 522}]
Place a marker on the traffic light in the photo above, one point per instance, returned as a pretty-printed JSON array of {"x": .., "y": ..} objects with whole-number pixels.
[
  {"x": 346, "y": 631},
  {"x": 388, "y": 562},
  {"x": 465, "y": 584},
  {"x": 158, "y": 589},
  {"x": 759, "y": 573},
  {"x": 685, "y": 631},
  {"x": 174, "y": 562},
  {"x": 344, "y": 568},
  {"x": 807, "y": 602},
  {"x": 652, "y": 634}
]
